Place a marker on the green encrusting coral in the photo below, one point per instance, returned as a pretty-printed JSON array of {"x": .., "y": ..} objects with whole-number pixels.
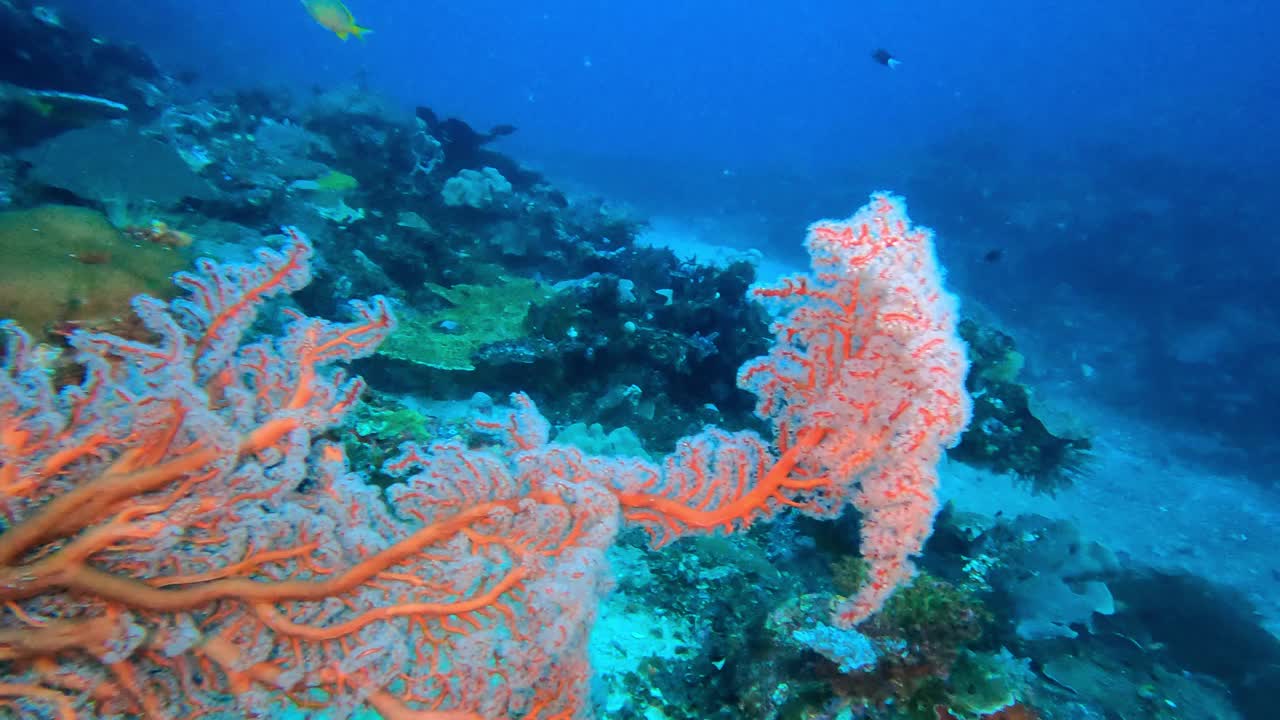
[
  {"x": 378, "y": 426},
  {"x": 477, "y": 315},
  {"x": 935, "y": 617}
]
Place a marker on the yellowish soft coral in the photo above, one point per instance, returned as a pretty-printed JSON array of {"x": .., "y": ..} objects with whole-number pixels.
[{"x": 68, "y": 265}]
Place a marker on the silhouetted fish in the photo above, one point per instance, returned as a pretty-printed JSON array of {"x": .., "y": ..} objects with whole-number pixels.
[
  {"x": 993, "y": 255},
  {"x": 884, "y": 57}
]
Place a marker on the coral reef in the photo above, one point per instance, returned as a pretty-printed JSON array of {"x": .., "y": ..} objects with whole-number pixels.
[
  {"x": 175, "y": 509},
  {"x": 503, "y": 282}
]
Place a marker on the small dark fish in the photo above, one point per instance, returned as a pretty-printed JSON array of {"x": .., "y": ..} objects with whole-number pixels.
[
  {"x": 187, "y": 77},
  {"x": 93, "y": 257},
  {"x": 885, "y": 58},
  {"x": 993, "y": 255},
  {"x": 501, "y": 130}
]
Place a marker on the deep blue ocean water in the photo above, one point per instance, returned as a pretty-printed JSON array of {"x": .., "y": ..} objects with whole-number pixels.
[{"x": 759, "y": 87}]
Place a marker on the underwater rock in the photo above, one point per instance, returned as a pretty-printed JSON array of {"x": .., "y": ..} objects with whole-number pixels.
[
  {"x": 1006, "y": 433},
  {"x": 105, "y": 164},
  {"x": 1052, "y": 580},
  {"x": 1130, "y": 690},
  {"x": 58, "y": 108},
  {"x": 464, "y": 149},
  {"x": 45, "y": 53},
  {"x": 1186, "y": 622}
]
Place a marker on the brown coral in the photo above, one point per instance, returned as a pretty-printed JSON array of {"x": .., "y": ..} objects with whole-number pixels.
[{"x": 63, "y": 265}]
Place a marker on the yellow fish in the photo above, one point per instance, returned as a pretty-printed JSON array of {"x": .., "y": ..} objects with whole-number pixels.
[
  {"x": 335, "y": 181},
  {"x": 334, "y": 16}
]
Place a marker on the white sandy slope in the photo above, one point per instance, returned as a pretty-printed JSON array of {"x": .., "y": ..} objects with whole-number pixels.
[
  {"x": 714, "y": 242},
  {"x": 1141, "y": 499}
]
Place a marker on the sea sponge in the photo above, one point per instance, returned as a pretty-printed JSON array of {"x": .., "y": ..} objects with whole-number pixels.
[
  {"x": 64, "y": 265},
  {"x": 478, "y": 189}
]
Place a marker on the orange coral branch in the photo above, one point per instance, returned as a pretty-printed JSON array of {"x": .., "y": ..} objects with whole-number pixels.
[{"x": 672, "y": 512}]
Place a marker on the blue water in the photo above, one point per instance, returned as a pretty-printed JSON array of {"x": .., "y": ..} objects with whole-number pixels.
[
  {"x": 758, "y": 86},
  {"x": 1120, "y": 156}
]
